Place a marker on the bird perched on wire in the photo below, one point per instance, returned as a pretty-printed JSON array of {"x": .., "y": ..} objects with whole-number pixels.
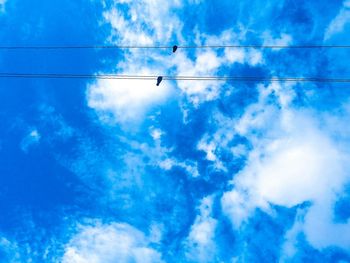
[
  {"x": 175, "y": 48},
  {"x": 159, "y": 80}
]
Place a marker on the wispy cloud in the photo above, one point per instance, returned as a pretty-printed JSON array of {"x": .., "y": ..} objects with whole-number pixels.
[
  {"x": 2, "y": 3},
  {"x": 31, "y": 139},
  {"x": 9, "y": 250},
  {"x": 200, "y": 244},
  {"x": 339, "y": 22},
  {"x": 194, "y": 171}
]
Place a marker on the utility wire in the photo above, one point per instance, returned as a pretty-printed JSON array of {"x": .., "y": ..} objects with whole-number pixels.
[
  {"x": 170, "y": 47},
  {"x": 178, "y": 78}
]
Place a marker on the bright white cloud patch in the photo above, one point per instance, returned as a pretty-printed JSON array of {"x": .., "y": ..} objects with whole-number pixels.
[
  {"x": 154, "y": 23},
  {"x": 108, "y": 244},
  {"x": 126, "y": 100},
  {"x": 298, "y": 167},
  {"x": 129, "y": 99},
  {"x": 294, "y": 162},
  {"x": 144, "y": 23}
]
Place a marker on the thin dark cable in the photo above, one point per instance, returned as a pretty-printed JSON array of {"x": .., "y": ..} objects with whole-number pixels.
[
  {"x": 170, "y": 47},
  {"x": 271, "y": 46},
  {"x": 178, "y": 78},
  {"x": 85, "y": 47}
]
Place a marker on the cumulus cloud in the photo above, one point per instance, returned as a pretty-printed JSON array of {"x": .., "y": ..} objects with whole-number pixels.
[
  {"x": 292, "y": 163},
  {"x": 154, "y": 23},
  {"x": 150, "y": 23},
  {"x": 200, "y": 244},
  {"x": 295, "y": 168},
  {"x": 339, "y": 22},
  {"x": 126, "y": 100},
  {"x": 114, "y": 242}
]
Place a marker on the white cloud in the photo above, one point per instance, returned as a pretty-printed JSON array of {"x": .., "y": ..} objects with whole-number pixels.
[
  {"x": 235, "y": 55},
  {"x": 150, "y": 23},
  {"x": 320, "y": 229},
  {"x": 200, "y": 244},
  {"x": 339, "y": 22},
  {"x": 289, "y": 247},
  {"x": 209, "y": 62},
  {"x": 283, "y": 40},
  {"x": 110, "y": 243},
  {"x": 296, "y": 167},
  {"x": 126, "y": 100},
  {"x": 206, "y": 63},
  {"x": 293, "y": 161},
  {"x": 157, "y": 156},
  {"x": 156, "y": 134},
  {"x": 209, "y": 147},
  {"x": 255, "y": 57},
  {"x": 153, "y": 23},
  {"x": 189, "y": 166},
  {"x": 238, "y": 55},
  {"x": 237, "y": 206},
  {"x": 31, "y": 139}
]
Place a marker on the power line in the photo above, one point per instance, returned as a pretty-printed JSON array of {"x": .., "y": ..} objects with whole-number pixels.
[
  {"x": 178, "y": 78},
  {"x": 178, "y": 47},
  {"x": 270, "y": 46}
]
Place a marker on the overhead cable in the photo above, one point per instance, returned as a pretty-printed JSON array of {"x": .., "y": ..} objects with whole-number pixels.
[
  {"x": 177, "y": 78},
  {"x": 174, "y": 47}
]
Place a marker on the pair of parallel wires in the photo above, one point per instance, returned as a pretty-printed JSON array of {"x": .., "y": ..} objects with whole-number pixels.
[{"x": 174, "y": 49}]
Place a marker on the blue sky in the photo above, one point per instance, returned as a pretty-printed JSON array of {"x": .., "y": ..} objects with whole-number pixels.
[{"x": 125, "y": 171}]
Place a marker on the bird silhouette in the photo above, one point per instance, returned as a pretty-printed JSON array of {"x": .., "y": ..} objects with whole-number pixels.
[
  {"x": 159, "y": 80},
  {"x": 174, "y": 48}
]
